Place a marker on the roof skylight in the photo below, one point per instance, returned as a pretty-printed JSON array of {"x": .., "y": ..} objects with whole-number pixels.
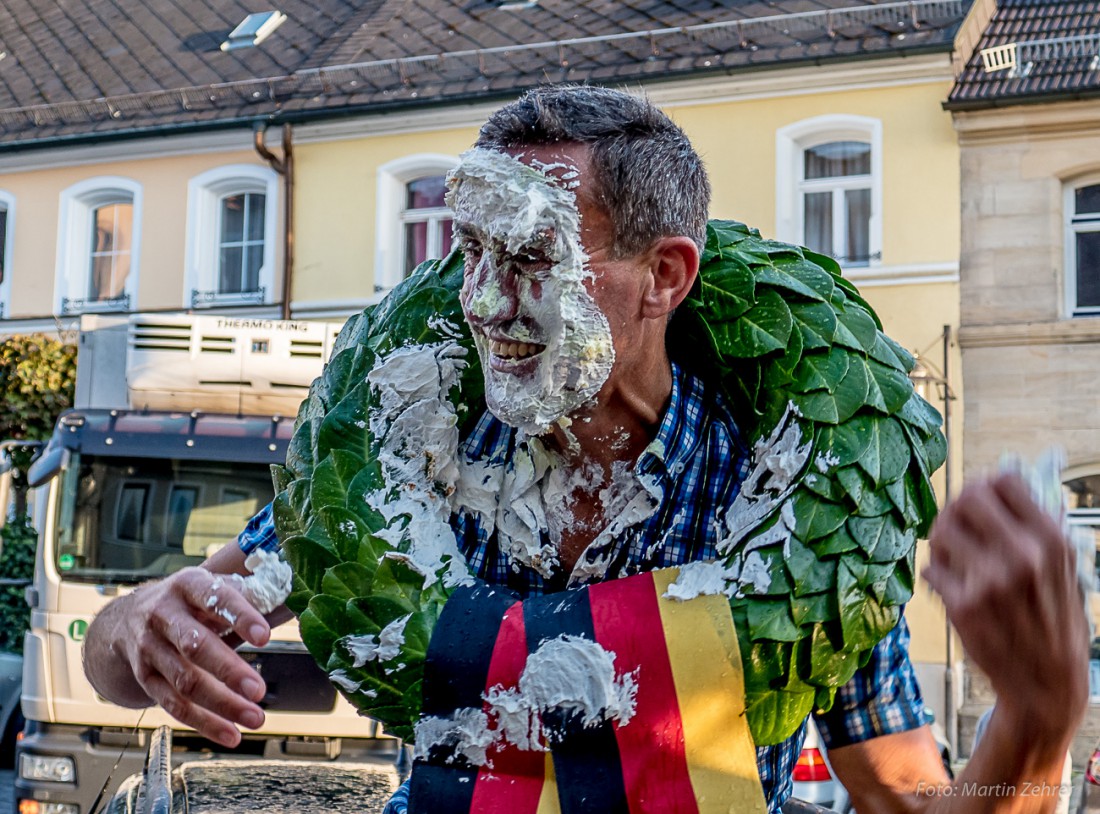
[{"x": 254, "y": 29}]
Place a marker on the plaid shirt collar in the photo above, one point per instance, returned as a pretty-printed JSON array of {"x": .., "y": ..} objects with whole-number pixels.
[{"x": 678, "y": 435}]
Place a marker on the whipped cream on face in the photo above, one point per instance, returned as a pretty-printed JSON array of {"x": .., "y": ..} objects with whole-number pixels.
[{"x": 545, "y": 346}]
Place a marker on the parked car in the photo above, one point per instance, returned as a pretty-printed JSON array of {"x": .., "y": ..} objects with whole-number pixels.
[
  {"x": 1090, "y": 785},
  {"x": 11, "y": 716},
  {"x": 813, "y": 776}
]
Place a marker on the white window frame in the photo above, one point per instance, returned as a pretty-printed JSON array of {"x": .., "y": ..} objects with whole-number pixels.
[
  {"x": 204, "y": 195},
  {"x": 389, "y": 249},
  {"x": 791, "y": 143},
  {"x": 7, "y": 204},
  {"x": 74, "y": 237},
  {"x": 1070, "y": 244}
]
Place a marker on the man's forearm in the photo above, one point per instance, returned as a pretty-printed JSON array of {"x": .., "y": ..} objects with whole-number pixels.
[
  {"x": 1016, "y": 767},
  {"x": 1013, "y": 770}
]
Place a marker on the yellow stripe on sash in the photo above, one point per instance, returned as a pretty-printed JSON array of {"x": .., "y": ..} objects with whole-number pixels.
[
  {"x": 548, "y": 800},
  {"x": 710, "y": 686}
]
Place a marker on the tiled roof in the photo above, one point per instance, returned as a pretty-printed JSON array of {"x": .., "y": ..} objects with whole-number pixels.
[
  {"x": 102, "y": 68},
  {"x": 1056, "y": 55}
]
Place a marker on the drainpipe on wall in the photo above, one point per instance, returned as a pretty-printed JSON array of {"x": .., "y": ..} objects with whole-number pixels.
[{"x": 285, "y": 167}]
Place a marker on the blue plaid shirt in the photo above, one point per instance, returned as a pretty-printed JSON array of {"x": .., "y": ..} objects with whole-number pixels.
[{"x": 699, "y": 460}]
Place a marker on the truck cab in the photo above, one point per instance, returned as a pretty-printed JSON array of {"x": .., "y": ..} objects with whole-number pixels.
[{"x": 125, "y": 494}]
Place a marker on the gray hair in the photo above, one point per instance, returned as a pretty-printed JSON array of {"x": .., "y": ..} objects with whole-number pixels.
[{"x": 649, "y": 179}]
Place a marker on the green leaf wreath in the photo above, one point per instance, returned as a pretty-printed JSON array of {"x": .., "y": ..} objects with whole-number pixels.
[{"x": 773, "y": 325}]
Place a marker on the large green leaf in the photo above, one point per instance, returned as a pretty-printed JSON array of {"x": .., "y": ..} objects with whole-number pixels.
[
  {"x": 347, "y": 580},
  {"x": 728, "y": 290},
  {"x": 778, "y": 276},
  {"x": 869, "y": 501},
  {"x": 922, "y": 415},
  {"x": 764, "y": 328},
  {"x": 331, "y": 478},
  {"x": 344, "y": 428},
  {"x": 827, "y": 665},
  {"x": 815, "y": 518},
  {"x": 309, "y": 559},
  {"x": 887, "y": 454},
  {"x": 774, "y": 710},
  {"x": 812, "y": 608},
  {"x": 810, "y": 275},
  {"x": 817, "y": 323},
  {"x": 821, "y": 371},
  {"x": 841, "y": 404},
  {"x": 809, "y": 574},
  {"x": 771, "y": 619},
  {"x": 724, "y": 233}
]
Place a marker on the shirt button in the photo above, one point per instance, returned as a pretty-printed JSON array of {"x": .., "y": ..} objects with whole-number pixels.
[{"x": 678, "y": 468}]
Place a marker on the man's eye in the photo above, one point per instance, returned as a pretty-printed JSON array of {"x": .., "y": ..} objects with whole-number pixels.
[
  {"x": 531, "y": 263},
  {"x": 469, "y": 246}
]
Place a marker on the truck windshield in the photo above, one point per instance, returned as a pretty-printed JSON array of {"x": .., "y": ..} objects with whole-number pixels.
[{"x": 126, "y": 521}]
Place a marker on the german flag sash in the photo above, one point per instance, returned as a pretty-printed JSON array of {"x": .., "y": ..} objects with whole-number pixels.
[{"x": 685, "y": 748}]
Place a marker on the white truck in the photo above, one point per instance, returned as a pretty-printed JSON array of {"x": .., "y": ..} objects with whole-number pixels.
[{"x": 165, "y": 457}]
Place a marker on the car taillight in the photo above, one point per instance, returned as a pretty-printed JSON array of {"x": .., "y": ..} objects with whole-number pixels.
[
  {"x": 811, "y": 767},
  {"x": 1092, "y": 771}
]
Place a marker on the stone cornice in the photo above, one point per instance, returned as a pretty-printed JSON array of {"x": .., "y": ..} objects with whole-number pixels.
[
  {"x": 1083, "y": 330},
  {"x": 1006, "y": 124}
]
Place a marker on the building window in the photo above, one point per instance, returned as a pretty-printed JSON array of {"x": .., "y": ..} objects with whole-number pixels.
[
  {"x": 111, "y": 250},
  {"x": 241, "y": 242},
  {"x": 98, "y": 246},
  {"x": 7, "y": 226},
  {"x": 413, "y": 223},
  {"x": 1083, "y": 249},
  {"x": 829, "y": 187},
  {"x": 1083, "y": 500},
  {"x": 426, "y": 221},
  {"x": 231, "y": 235},
  {"x": 836, "y": 200}
]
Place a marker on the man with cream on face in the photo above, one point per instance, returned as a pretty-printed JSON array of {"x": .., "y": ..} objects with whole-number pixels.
[{"x": 581, "y": 213}]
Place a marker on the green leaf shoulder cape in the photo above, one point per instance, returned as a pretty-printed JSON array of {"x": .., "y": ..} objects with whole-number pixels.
[{"x": 774, "y": 325}]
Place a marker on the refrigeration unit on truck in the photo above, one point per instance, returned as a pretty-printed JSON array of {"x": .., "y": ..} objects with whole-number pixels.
[{"x": 164, "y": 459}]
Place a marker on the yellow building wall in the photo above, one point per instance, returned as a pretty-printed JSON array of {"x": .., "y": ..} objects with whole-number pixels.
[
  {"x": 335, "y": 208},
  {"x": 914, "y": 315},
  {"x": 163, "y": 226},
  {"x": 920, "y": 161},
  {"x": 336, "y": 179}
]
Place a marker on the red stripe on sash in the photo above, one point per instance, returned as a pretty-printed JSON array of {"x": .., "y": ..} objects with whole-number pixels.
[
  {"x": 514, "y": 783},
  {"x": 651, "y": 744}
]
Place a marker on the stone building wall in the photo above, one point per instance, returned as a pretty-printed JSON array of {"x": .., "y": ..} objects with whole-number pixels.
[{"x": 1032, "y": 372}]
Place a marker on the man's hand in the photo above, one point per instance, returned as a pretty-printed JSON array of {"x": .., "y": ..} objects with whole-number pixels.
[
  {"x": 1007, "y": 578},
  {"x": 166, "y": 644}
]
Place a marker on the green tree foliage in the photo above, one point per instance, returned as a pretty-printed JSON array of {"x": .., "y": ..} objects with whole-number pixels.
[
  {"x": 37, "y": 379},
  {"x": 16, "y": 568}
]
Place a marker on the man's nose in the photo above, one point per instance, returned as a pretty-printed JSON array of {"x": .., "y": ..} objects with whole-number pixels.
[{"x": 491, "y": 295}]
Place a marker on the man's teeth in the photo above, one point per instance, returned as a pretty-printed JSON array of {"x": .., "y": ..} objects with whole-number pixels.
[{"x": 513, "y": 350}]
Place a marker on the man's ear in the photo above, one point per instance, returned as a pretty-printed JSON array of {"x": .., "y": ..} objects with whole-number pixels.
[{"x": 674, "y": 264}]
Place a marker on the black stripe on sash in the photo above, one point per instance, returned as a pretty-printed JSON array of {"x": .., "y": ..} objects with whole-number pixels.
[
  {"x": 456, "y": 668},
  {"x": 588, "y": 771}
]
